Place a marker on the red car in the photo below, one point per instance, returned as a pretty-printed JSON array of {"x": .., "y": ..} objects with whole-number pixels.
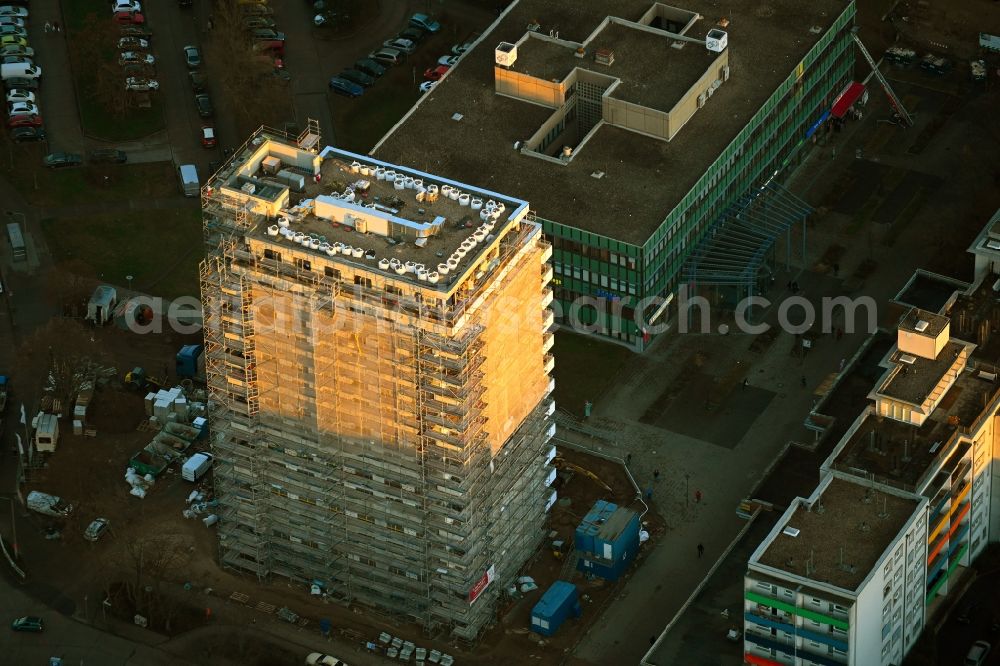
[
  {"x": 25, "y": 120},
  {"x": 208, "y": 139},
  {"x": 435, "y": 73},
  {"x": 272, "y": 46},
  {"x": 129, "y": 18}
]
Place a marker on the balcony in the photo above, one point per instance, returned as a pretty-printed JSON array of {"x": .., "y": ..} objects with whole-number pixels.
[
  {"x": 548, "y": 320},
  {"x": 548, "y": 341},
  {"x": 547, "y": 298},
  {"x": 550, "y": 363}
]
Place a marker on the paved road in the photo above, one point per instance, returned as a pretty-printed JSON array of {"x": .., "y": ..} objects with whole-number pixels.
[{"x": 58, "y": 98}]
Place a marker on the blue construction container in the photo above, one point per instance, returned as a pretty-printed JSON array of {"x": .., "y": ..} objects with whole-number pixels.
[
  {"x": 607, "y": 540},
  {"x": 557, "y": 604}
]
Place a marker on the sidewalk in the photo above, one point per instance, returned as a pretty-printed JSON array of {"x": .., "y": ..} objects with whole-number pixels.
[{"x": 725, "y": 474}]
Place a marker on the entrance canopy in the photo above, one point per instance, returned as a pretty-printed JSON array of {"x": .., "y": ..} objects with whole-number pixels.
[{"x": 846, "y": 99}]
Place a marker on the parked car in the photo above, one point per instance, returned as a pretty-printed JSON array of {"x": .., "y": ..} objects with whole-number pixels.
[
  {"x": 448, "y": 61},
  {"x": 17, "y": 108},
  {"x": 15, "y": 59},
  {"x": 256, "y": 10},
  {"x": 138, "y": 70},
  {"x": 13, "y": 31},
  {"x": 7, "y": 40},
  {"x": 388, "y": 56},
  {"x": 12, "y": 20},
  {"x": 98, "y": 526},
  {"x": 8, "y": 10},
  {"x": 17, "y": 49},
  {"x": 255, "y": 22},
  {"x": 320, "y": 659},
  {"x": 345, "y": 87},
  {"x": 107, "y": 156},
  {"x": 129, "y": 18},
  {"x": 404, "y": 45},
  {"x": 977, "y": 654},
  {"x": 424, "y": 22},
  {"x": 141, "y": 84},
  {"x": 136, "y": 31},
  {"x": 19, "y": 95},
  {"x": 20, "y": 83},
  {"x": 26, "y": 134},
  {"x": 204, "y": 105},
  {"x": 370, "y": 67},
  {"x": 25, "y": 120},
  {"x": 125, "y": 6},
  {"x": 267, "y": 34},
  {"x": 28, "y": 623},
  {"x": 134, "y": 57},
  {"x": 426, "y": 86},
  {"x": 415, "y": 35},
  {"x": 273, "y": 46},
  {"x": 354, "y": 76},
  {"x": 61, "y": 160},
  {"x": 435, "y": 73},
  {"x": 132, "y": 43},
  {"x": 192, "y": 57},
  {"x": 208, "y": 139},
  {"x": 197, "y": 80}
]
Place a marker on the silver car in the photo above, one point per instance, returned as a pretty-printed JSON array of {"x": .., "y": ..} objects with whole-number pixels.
[{"x": 96, "y": 529}]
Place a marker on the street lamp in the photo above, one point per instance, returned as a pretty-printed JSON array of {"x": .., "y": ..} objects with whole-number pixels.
[{"x": 129, "y": 278}]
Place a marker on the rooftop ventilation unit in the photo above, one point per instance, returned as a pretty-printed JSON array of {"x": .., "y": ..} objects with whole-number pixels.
[
  {"x": 791, "y": 531},
  {"x": 604, "y": 57},
  {"x": 993, "y": 244},
  {"x": 921, "y": 326},
  {"x": 988, "y": 376},
  {"x": 717, "y": 40},
  {"x": 506, "y": 54},
  {"x": 908, "y": 359}
]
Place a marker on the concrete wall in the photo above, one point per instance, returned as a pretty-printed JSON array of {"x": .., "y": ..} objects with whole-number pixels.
[
  {"x": 686, "y": 107},
  {"x": 529, "y": 88},
  {"x": 636, "y": 118}
]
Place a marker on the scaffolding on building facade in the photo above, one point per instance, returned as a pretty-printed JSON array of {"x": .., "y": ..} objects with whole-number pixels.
[{"x": 353, "y": 447}]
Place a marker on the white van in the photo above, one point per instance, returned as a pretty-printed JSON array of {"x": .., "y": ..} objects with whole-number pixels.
[
  {"x": 19, "y": 70},
  {"x": 196, "y": 466}
]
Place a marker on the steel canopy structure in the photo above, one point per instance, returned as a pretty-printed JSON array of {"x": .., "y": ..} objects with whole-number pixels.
[{"x": 735, "y": 248}]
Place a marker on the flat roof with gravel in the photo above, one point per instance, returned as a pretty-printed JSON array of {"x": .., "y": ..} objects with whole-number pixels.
[{"x": 644, "y": 178}]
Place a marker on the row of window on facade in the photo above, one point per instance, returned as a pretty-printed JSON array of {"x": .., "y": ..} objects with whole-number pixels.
[
  {"x": 591, "y": 252},
  {"x": 594, "y": 278}
]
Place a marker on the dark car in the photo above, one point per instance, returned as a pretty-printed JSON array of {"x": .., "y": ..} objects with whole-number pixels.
[
  {"x": 370, "y": 67},
  {"x": 415, "y": 35},
  {"x": 204, "y": 104},
  {"x": 61, "y": 160},
  {"x": 108, "y": 156},
  {"x": 25, "y": 134},
  {"x": 192, "y": 56},
  {"x": 29, "y": 623},
  {"x": 360, "y": 78},
  {"x": 345, "y": 87},
  {"x": 197, "y": 81},
  {"x": 21, "y": 83},
  {"x": 272, "y": 46},
  {"x": 268, "y": 34}
]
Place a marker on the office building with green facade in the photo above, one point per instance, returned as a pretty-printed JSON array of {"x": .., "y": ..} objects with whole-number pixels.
[{"x": 651, "y": 139}]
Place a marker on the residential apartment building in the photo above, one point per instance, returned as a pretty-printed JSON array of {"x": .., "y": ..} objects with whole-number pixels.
[
  {"x": 378, "y": 362},
  {"x": 651, "y": 139},
  {"x": 918, "y": 497}
]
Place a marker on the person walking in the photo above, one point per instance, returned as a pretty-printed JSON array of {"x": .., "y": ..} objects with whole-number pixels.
[
  {"x": 701, "y": 550},
  {"x": 656, "y": 475},
  {"x": 48, "y": 27},
  {"x": 843, "y": 362},
  {"x": 628, "y": 458},
  {"x": 803, "y": 381},
  {"x": 697, "y": 496},
  {"x": 649, "y": 493}
]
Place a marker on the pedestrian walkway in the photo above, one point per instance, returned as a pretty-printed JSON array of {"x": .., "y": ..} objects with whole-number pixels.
[{"x": 721, "y": 476}]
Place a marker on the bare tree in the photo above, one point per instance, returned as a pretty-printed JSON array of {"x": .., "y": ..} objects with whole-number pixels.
[
  {"x": 245, "y": 70},
  {"x": 91, "y": 46},
  {"x": 148, "y": 562}
]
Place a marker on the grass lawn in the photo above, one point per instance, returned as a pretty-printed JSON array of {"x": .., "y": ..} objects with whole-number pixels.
[
  {"x": 159, "y": 248},
  {"x": 86, "y": 184},
  {"x": 359, "y": 123},
  {"x": 585, "y": 368}
]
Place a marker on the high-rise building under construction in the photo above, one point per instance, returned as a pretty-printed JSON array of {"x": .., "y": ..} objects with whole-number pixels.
[{"x": 378, "y": 352}]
